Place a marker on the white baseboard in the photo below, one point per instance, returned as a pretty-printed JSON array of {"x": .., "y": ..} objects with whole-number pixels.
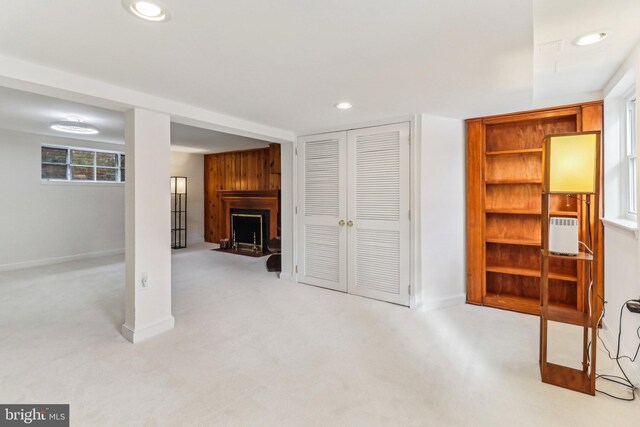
[
  {"x": 139, "y": 334},
  {"x": 429, "y": 304},
  {"x": 416, "y": 306},
  {"x": 631, "y": 369},
  {"x": 58, "y": 260}
]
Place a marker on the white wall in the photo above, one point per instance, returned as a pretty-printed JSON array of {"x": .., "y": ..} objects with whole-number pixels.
[
  {"x": 287, "y": 217},
  {"x": 622, "y": 247},
  {"x": 192, "y": 166},
  {"x": 44, "y": 222},
  {"x": 442, "y": 198}
]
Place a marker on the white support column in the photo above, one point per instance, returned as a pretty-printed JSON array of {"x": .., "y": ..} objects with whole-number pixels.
[
  {"x": 287, "y": 210},
  {"x": 147, "y": 225}
]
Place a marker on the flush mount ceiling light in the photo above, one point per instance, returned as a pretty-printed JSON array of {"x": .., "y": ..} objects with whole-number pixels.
[
  {"x": 148, "y": 10},
  {"x": 591, "y": 38},
  {"x": 74, "y": 125},
  {"x": 343, "y": 106}
]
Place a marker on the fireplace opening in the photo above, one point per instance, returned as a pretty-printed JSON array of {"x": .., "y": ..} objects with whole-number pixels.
[{"x": 250, "y": 229}]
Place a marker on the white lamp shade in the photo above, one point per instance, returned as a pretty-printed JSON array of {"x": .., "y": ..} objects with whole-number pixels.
[
  {"x": 178, "y": 184},
  {"x": 572, "y": 163}
]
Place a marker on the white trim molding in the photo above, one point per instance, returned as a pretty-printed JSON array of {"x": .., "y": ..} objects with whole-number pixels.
[
  {"x": 195, "y": 241},
  {"x": 58, "y": 260},
  {"x": 140, "y": 334},
  {"x": 622, "y": 224}
]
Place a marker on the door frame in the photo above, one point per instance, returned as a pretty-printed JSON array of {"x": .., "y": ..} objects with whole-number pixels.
[{"x": 415, "y": 137}]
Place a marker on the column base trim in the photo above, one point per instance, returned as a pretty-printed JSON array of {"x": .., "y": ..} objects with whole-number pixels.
[{"x": 140, "y": 334}]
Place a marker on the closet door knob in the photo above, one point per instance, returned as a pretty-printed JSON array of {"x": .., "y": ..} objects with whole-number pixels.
[
  {"x": 341, "y": 223},
  {"x": 350, "y": 224}
]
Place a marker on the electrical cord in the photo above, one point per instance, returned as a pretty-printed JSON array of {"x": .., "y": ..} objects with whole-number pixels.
[
  {"x": 586, "y": 247},
  {"x": 604, "y": 345},
  {"x": 604, "y": 309},
  {"x": 635, "y": 356},
  {"x": 623, "y": 381},
  {"x": 589, "y": 222}
]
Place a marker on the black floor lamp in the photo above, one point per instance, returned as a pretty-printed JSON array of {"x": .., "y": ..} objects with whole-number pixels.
[{"x": 178, "y": 212}]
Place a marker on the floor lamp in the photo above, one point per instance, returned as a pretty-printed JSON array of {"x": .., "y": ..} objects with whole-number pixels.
[
  {"x": 571, "y": 168},
  {"x": 178, "y": 212}
]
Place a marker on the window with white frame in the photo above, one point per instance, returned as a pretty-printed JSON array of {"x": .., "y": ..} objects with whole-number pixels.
[
  {"x": 631, "y": 157},
  {"x": 82, "y": 164}
]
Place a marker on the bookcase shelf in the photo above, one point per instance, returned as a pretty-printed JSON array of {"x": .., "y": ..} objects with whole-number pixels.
[
  {"x": 518, "y": 303},
  {"x": 520, "y": 242},
  {"x": 530, "y": 272},
  {"x": 513, "y": 181},
  {"x": 512, "y": 152},
  {"x": 504, "y": 184},
  {"x": 529, "y": 212},
  {"x": 582, "y": 256},
  {"x": 567, "y": 315}
]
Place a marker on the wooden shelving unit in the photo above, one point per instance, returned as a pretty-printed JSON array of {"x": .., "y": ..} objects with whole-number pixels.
[{"x": 504, "y": 183}]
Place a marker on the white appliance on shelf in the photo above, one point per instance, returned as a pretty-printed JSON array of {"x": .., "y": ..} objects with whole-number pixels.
[{"x": 563, "y": 236}]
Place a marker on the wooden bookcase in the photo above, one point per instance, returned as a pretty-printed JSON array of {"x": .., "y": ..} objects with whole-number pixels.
[{"x": 504, "y": 183}]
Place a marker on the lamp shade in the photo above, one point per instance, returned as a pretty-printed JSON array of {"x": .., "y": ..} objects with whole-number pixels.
[
  {"x": 572, "y": 163},
  {"x": 179, "y": 184}
]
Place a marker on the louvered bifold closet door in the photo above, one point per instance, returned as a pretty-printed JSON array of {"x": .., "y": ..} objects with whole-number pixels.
[
  {"x": 378, "y": 207},
  {"x": 322, "y": 234}
]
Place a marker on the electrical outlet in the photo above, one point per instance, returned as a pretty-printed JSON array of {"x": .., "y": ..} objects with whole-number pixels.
[
  {"x": 634, "y": 306},
  {"x": 145, "y": 281}
]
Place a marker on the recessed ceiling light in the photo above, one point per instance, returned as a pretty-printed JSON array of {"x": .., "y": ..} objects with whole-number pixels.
[
  {"x": 149, "y": 10},
  {"x": 74, "y": 125},
  {"x": 592, "y": 38},
  {"x": 343, "y": 105}
]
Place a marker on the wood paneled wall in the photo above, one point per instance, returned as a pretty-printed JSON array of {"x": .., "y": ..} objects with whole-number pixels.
[{"x": 257, "y": 169}]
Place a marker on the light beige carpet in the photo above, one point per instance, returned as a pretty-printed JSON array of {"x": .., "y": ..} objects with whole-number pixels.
[{"x": 251, "y": 350}]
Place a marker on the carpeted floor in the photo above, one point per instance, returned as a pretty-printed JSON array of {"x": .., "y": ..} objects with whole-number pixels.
[{"x": 249, "y": 349}]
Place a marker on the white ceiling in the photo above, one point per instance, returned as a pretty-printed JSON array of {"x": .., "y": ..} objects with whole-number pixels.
[
  {"x": 286, "y": 63},
  {"x": 563, "y": 69},
  {"x": 27, "y": 112},
  {"x": 191, "y": 139}
]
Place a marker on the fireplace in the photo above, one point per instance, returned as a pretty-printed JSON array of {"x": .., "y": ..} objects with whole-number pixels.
[
  {"x": 250, "y": 229},
  {"x": 250, "y": 207}
]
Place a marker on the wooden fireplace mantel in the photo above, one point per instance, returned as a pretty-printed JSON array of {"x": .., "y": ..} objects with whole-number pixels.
[{"x": 267, "y": 200}]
